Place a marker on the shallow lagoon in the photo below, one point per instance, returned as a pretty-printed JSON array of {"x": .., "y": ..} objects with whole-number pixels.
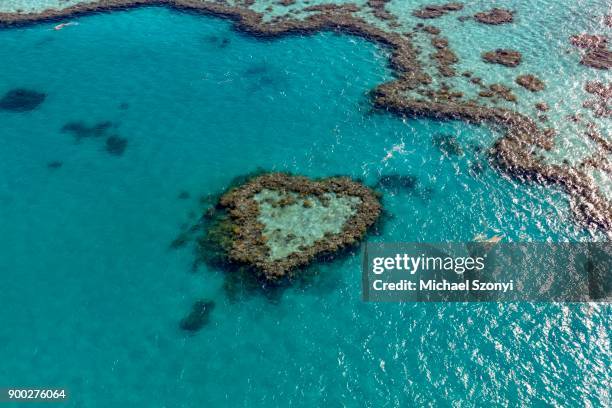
[{"x": 93, "y": 295}]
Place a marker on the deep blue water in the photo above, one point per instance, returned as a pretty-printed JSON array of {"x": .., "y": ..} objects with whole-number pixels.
[{"x": 92, "y": 294}]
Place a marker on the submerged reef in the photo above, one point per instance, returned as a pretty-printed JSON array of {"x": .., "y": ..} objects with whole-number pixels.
[
  {"x": 445, "y": 58},
  {"x": 600, "y": 105},
  {"x": 54, "y": 165},
  {"x": 116, "y": 145},
  {"x": 397, "y": 182},
  {"x": 597, "y": 54},
  {"x": 588, "y": 41},
  {"x": 597, "y": 58},
  {"x": 276, "y": 223},
  {"x": 80, "y": 130},
  {"x": 448, "y": 144},
  {"x": 21, "y": 100},
  {"x": 412, "y": 92},
  {"x": 495, "y": 16},
  {"x": 530, "y": 82},
  {"x": 509, "y": 58},
  {"x": 435, "y": 11},
  {"x": 198, "y": 317}
]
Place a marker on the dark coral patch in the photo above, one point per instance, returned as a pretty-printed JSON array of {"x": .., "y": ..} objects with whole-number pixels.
[
  {"x": 21, "y": 100},
  {"x": 116, "y": 145},
  {"x": 257, "y": 69},
  {"x": 435, "y": 11},
  {"x": 219, "y": 42},
  {"x": 396, "y": 183},
  {"x": 198, "y": 317},
  {"x": 502, "y": 91},
  {"x": 588, "y": 41},
  {"x": 448, "y": 145},
  {"x": 530, "y": 82},
  {"x": 81, "y": 130},
  {"x": 600, "y": 89},
  {"x": 509, "y": 58},
  {"x": 597, "y": 58},
  {"x": 54, "y": 165},
  {"x": 495, "y": 16},
  {"x": 431, "y": 30}
]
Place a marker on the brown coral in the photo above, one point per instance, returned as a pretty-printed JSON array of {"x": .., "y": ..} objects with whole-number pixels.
[
  {"x": 495, "y": 16},
  {"x": 530, "y": 82},
  {"x": 507, "y": 57}
]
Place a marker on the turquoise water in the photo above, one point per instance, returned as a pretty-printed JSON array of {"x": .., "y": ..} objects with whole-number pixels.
[{"x": 92, "y": 294}]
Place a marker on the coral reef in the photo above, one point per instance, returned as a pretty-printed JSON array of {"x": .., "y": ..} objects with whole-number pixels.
[
  {"x": 21, "y": 100},
  {"x": 261, "y": 230},
  {"x": 593, "y": 134},
  {"x": 80, "y": 130},
  {"x": 379, "y": 11},
  {"x": 116, "y": 145},
  {"x": 495, "y": 16},
  {"x": 435, "y": 11},
  {"x": 198, "y": 317},
  {"x": 515, "y": 153},
  {"x": 600, "y": 105},
  {"x": 431, "y": 30},
  {"x": 397, "y": 182},
  {"x": 597, "y": 58},
  {"x": 54, "y": 165},
  {"x": 530, "y": 82},
  {"x": 217, "y": 41},
  {"x": 509, "y": 58},
  {"x": 445, "y": 58},
  {"x": 448, "y": 144},
  {"x": 597, "y": 54},
  {"x": 587, "y": 41},
  {"x": 502, "y": 91}
]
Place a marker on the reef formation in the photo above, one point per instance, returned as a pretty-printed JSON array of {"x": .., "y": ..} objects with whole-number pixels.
[
  {"x": 530, "y": 82},
  {"x": 517, "y": 153},
  {"x": 21, "y": 100},
  {"x": 198, "y": 317},
  {"x": 276, "y": 223},
  {"x": 435, "y": 11},
  {"x": 509, "y": 58},
  {"x": 495, "y": 16},
  {"x": 597, "y": 54}
]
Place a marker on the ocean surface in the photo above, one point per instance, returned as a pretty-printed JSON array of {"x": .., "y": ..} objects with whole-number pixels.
[{"x": 92, "y": 293}]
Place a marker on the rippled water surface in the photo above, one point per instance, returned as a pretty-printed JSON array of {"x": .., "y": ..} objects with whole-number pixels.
[{"x": 92, "y": 294}]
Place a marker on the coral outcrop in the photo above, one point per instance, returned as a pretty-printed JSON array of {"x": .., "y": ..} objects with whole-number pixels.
[
  {"x": 507, "y": 57},
  {"x": 435, "y": 11},
  {"x": 530, "y": 82},
  {"x": 495, "y": 16},
  {"x": 597, "y": 54},
  {"x": 409, "y": 94},
  {"x": 198, "y": 317},
  {"x": 279, "y": 222},
  {"x": 597, "y": 58},
  {"x": 588, "y": 41},
  {"x": 21, "y": 100}
]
